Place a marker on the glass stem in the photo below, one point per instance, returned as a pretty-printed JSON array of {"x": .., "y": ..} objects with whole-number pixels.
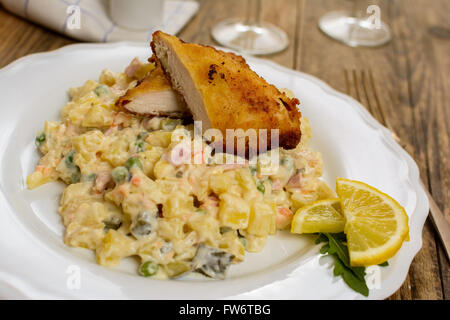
[{"x": 254, "y": 12}]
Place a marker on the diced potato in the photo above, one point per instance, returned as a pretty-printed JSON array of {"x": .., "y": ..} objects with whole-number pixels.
[
  {"x": 268, "y": 163},
  {"x": 170, "y": 229},
  {"x": 88, "y": 213},
  {"x": 234, "y": 212},
  {"x": 133, "y": 204},
  {"x": 74, "y": 195},
  {"x": 255, "y": 243},
  {"x": 78, "y": 92},
  {"x": 167, "y": 186},
  {"x": 305, "y": 129},
  {"x": 139, "y": 197},
  {"x": 163, "y": 169},
  {"x": 230, "y": 242},
  {"x": 88, "y": 144},
  {"x": 149, "y": 158},
  {"x": 159, "y": 138},
  {"x": 186, "y": 248},
  {"x": 245, "y": 179},
  {"x": 300, "y": 199},
  {"x": 98, "y": 116},
  {"x": 118, "y": 79},
  {"x": 108, "y": 77},
  {"x": 88, "y": 236},
  {"x": 75, "y": 111},
  {"x": 262, "y": 219},
  {"x": 175, "y": 269},
  {"x": 207, "y": 228},
  {"x": 113, "y": 248},
  {"x": 178, "y": 205},
  {"x": 222, "y": 182},
  {"x": 279, "y": 198},
  {"x": 85, "y": 227},
  {"x": 324, "y": 191},
  {"x": 151, "y": 250},
  {"x": 116, "y": 151},
  {"x": 37, "y": 179},
  {"x": 51, "y": 129}
]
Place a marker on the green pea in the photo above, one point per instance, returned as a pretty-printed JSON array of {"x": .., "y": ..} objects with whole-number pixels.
[
  {"x": 101, "y": 90},
  {"x": 119, "y": 174},
  {"x": 133, "y": 161},
  {"x": 253, "y": 170},
  {"x": 40, "y": 139},
  {"x": 287, "y": 162},
  {"x": 89, "y": 177},
  {"x": 142, "y": 135},
  {"x": 261, "y": 188},
  {"x": 170, "y": 124},
  {"x": 76, "y": 175},
  {"x": 148, "y": 269},
  {"x": 140, "y": 145},
  {"x": 69, "y": 159}
]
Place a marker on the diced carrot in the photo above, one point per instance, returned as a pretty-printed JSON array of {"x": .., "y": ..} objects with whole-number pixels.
[
  {"x": 122, "y": 190},
  {"x": 43, "y": 169},
  {"x": 284, "y": 217},
  {"x": 136, "y": 181},
  {"x": 285, "y": 212},
  {"x": 169, "y": 255},
  {"x": 158, "y": 244}
]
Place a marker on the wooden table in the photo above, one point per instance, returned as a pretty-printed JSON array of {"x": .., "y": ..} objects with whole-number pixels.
[{"x": 404, "y": 84}]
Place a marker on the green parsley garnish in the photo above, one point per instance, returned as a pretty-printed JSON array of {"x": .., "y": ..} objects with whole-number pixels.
[{"x": 335, "y": 245}]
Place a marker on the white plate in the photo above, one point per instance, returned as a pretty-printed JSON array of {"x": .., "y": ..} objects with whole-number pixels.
[{"x": 36, "y": 264}]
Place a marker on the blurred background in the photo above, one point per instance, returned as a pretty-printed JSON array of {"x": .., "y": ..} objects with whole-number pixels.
[{"x": 393, "y": 57}]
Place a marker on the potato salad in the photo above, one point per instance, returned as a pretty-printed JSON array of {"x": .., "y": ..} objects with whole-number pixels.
[{"x": 125, "y": 196}]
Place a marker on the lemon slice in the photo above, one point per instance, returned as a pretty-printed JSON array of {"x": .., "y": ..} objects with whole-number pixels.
[
  {"x": 376, "y": 225},
  {"x": 319, "y": 216}
]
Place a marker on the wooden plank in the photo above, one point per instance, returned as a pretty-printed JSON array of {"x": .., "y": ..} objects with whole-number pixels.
[
  {"x": 428, "y": 63},
  {"x": 389, "y": 66},
  {"x": 283, "y": 14}
]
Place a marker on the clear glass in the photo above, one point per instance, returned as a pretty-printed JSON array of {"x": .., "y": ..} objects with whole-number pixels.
[
  {"x": 362, "y": 26},
  {"x": 250, "y": 35}
]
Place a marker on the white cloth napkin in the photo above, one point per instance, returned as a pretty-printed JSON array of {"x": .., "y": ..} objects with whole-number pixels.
[{"x": 95, "y": 23}]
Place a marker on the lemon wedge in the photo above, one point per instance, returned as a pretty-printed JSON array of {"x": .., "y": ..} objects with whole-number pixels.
[
  {"x": 319, "y": 216},
  {"x": 376, "y": 225}
]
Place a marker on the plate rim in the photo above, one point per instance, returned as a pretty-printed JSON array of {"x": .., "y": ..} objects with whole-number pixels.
[{"x": 421, "y": 209}]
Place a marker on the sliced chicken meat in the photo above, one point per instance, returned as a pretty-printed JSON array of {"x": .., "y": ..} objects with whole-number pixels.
[
  {"x": 153, "y": 96},
  {"x": 223, "y": 92}
]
